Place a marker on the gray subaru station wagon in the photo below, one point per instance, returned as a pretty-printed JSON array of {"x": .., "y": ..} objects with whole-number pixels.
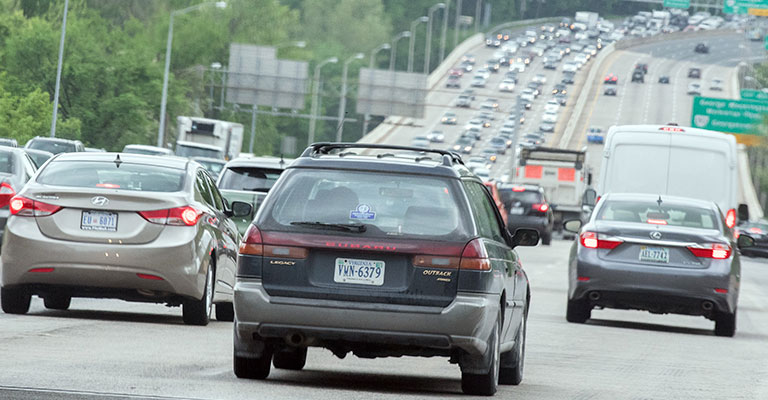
[{"x": 382, "y": 251}]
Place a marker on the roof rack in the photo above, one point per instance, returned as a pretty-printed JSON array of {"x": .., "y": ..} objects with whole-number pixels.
[{"x": 449, "y": 157}]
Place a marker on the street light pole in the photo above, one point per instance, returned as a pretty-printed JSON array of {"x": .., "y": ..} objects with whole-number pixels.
[
  {"x": 343, "y": 102},
  {"x": 478, "y": 9},
  {"x": 374, "y": 52},
  {"x": 393, "y": 53},
  {"x": 163, "y": 101},
  {"x": 412, "y": 44},
  {"x": 445, "y": 30},
  {"x": 428, "y": 50},
  {"x": 58, "y": 70},
  {"x": 315, "y": 90},
  {"x": 458, "y": 23}
]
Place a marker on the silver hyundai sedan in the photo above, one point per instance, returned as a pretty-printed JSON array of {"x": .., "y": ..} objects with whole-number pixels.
[
  {"x": 661, "y": 254},
  {"x": 125, "y": 226}
]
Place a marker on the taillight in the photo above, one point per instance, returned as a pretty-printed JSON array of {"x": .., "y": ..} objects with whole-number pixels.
[
  {"x": 543, "y": 207},
  {"x": 592, "y": 240},
  {"x": 518, "y": 189},
  {"x": 756, "y": 230},
  {"x": 427, "y": 261},
  {"x": 24, "y": 207},
  {"x": 252, "y": 243},
  {"x": 730, "y": 218},
  {"x": 6, "y": 192},
  {"x": 717, "y": 251},
  {"x": 474, "y": 257},
  {"x": 181, "y": 216}
]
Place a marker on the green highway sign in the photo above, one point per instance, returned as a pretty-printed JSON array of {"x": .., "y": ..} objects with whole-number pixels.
[
  {"x": 752, "y": 94},
  {"x": 749, "y": 3},
  {"x": 677, "y": 3},
  {"x": 733, "y": 7},
  {"x": 729, "y": 116}
]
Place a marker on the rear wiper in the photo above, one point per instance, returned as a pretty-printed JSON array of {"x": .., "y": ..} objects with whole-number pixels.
[
  {"x": 358, "y": 228},
  {"x": 257, "y": 189}
]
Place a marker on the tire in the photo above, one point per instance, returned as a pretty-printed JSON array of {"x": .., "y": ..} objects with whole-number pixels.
[
  {"x": 725, "y": 324},
  {"x": 513, "y": 362},
  {"x": 225, "y": 312},
  {"x": 578, "y": 311},
  {"x": 546, "y": 239},
  {"x": 57, "y": 302},
  {"x": 485, "y": 384},
  {"x": 293, "y": 359},
  {"x": 15, "y": 300},
  {"x": 198, "y": 312},
  {"x": 253, "y": 368}
]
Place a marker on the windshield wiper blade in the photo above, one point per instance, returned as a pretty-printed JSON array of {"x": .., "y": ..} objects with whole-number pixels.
[
  {"x": 358, "y": 228},
  {"x": 257, "y": 189}
]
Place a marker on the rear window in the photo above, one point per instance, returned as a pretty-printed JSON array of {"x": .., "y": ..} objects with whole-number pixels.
[
  {"x": 528, "y": 196},
  {"x": 100, "y": 174},
  {"x": 52, "y": 146},
  {"x": 387, "y": 204},
  {"x": 6, "y": 162},
  {"x": 664, "y": 214},
  {"x": 190, "y": 151},
  {"x": 249, "y": 178},
  {"x": 147, "y": 152}
]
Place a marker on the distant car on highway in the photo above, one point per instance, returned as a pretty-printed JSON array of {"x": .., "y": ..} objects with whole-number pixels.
[
  {"x": 464, "y": 101},
  {"x": 611, "y": 79},
  {"x": 638, "y": 76},
  {"x": 694, "y": 88},
  {"x": 55, "y": 145},
  {"x": 478, "y": 81},
  {"x": 464, "y": 145},
  {"x": 561, "y": 98},
  {"x": 147, "y": 150},
  {"x": 449, "y": 118},
  {"x": 212, "y": 165},
  {"x": 507, "y": 85},
  {"x": 547, "y": 127},
  {"x": 517, "y": 66},
  {"x": 701, "y": 48},
  {"x": 549, "y": 117},
  {"x": 559, "y": 88},
  {"x": 550, "y": 65},
  {"x": 453, "y": 81},
  {"x": 661, "y": 254},
  {"x": 8, "y": 142},
  {"x": 664, "y": 79},
  {"x": 642, "y": 67},
  {"x": 694, "y": 73},
  {"x": 528, "y": 95},
  {"x": 528, "y": 207},
  {"x": 492, "y": 65},
  {"x": 436, "y": 137},
  {"x": 609, "y": 91},
  {"x": 552, "y": 106},
  {"x": 420, "y": 141},
  {"x": 570, "y": 66},
  {"x": 456, "y": 72},
  {"x": 164, "y": 216},
  {"x": 39, "y": 157},
  {"x": 499, "y": 144},
  {"x": 595, "y": 135},
  {"x": 540, "y": 78}
]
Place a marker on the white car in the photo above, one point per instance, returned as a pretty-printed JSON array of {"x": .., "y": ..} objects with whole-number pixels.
[
  {"x": 436, "y": 137},
  {"x": 570, "y": 66},
  {"x": 507, "y": 85},
  {"x": 528, "y": 95},
  {"x": 473, "y": 123},
  {"x": 540, "y": 78},
  {"x": 552, "y": 106},
  {"x": 483, "y": 173},
  {"x": 510, "y": 47},
  {"x": 478, "y": 81},
  {"x": 517, "y": 66},
  {"x": 581, "y": 59},
  {"x": 549, "y": 117},
  {"x": 591, "y": 49},
  {"x": 483, "y": 72},
  {"x": 717, "y": 84},
  {"x": 694, "y": 88},
  {"x": 420, "y": 141}
]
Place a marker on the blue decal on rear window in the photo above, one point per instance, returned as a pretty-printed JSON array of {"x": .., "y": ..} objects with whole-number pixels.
[{"x": 363, "y": 211}]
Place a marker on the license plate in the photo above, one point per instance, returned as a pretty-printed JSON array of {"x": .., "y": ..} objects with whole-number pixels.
[
  {"x": 654, "y": 254},
  {"x": 516, "y": 210},
  {"x": 363, "y": 272},
  {"x": 98, "y": 221}
]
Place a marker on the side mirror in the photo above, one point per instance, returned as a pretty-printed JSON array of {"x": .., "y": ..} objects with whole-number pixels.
[
  {"x": 572, "y": 225},
  {"x": 745, "y": 241},
  {"x": 589, "y": 198},
  {"x": 241, "y": 209},
  {"x": 525, "y": 237},
  {"x": 743, "y": 212}
]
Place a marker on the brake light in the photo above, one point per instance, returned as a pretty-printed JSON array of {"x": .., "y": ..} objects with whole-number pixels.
[
  {"x": 543, "y": 207},
  {"x": 24, "y": 207},
  {"x": 518, "y": 189},
  {"x": 474, "y": 257},
  {"x": 252, "y": 243},
  {"x": 717, "y": 251},
  {"x": 730, "y": 218},
  {"x": 180, "y": 216},
  {"x": 671, "y": 129},
  {"x": 656, "y": 221},
  {"x": 6, "y": 193},
  {"x": 592, "y": 240},
  {"x": 756, "y": 230}
]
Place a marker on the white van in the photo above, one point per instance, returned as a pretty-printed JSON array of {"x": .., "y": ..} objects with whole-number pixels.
[{"x": 672, "y": 160}]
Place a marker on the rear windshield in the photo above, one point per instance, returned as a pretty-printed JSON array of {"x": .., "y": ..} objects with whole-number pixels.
[
  {"x": 93, "y": 174},
  {"x": 147, "y": 152},
  {"x": 53, "y": 146},
  {"x": 212, "y": 167},
  {"x": 38, "y": 158},
  {"x": 189, "y": 151},
  {"x": 249, "y": 178},
  {"x": 387, "y": 204},
  {"x": 6, "y": 162},
  {"x": 528, "y": 196},
  {"x": 664, "y": 214}
]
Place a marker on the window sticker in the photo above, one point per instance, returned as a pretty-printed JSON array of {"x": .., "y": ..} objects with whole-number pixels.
[{"x": 363, "y": 211}]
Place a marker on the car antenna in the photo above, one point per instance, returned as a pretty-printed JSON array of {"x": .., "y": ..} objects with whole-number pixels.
[
  {"x": 118, "y": 161},
  {"x": 282, "y": 162},
  {"x": 659, "y": 201}
]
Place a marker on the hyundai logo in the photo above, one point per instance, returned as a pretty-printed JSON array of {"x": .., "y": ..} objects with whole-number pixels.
[
  {"x": 656, "y": 235},
  {"x": 99, "y": 201}
]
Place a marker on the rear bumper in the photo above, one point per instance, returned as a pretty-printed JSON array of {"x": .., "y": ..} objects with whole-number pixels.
[
  {"x": 464, "y": 324},
  {"x": 174, "y": 256},
  {"x": 652, "y": 288}
]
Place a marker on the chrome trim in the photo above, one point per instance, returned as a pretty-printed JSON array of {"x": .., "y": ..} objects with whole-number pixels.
[{"x": 656, "y": 242}]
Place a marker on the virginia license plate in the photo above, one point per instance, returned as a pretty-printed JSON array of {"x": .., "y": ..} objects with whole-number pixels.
[
  {"x": 516, "y": 210},
  {"x": 363, "y": 272},
  {"x": 654, "y": 254},
  {"x": 98, "y": 221}
]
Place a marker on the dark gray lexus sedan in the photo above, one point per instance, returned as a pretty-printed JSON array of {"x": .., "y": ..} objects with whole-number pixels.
[{"x": 661, "y": 254}]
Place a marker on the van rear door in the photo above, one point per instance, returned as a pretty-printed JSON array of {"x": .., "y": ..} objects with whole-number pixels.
[
  {"x": 636, "y": 162},
  {"x": 703, "y": 167}
]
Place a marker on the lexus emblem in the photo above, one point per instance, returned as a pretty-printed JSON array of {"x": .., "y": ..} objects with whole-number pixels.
[
  {"x": 656, "y": 235},
  {"x": 99, "y": 201}
]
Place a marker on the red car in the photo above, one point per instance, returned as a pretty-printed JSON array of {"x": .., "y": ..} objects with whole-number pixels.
[
  {"x": 611, "y": 79},
  {"x": 456, "y": 72}
]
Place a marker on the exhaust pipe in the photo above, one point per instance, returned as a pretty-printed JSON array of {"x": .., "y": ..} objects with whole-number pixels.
[
  {"x": 295, "y": 339},
  {"x": 707, "y": 306},
  {"x": 594, "y": 296}
]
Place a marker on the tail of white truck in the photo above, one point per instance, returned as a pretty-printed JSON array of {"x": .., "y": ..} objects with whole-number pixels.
[{"x": 225, "y": 135}]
